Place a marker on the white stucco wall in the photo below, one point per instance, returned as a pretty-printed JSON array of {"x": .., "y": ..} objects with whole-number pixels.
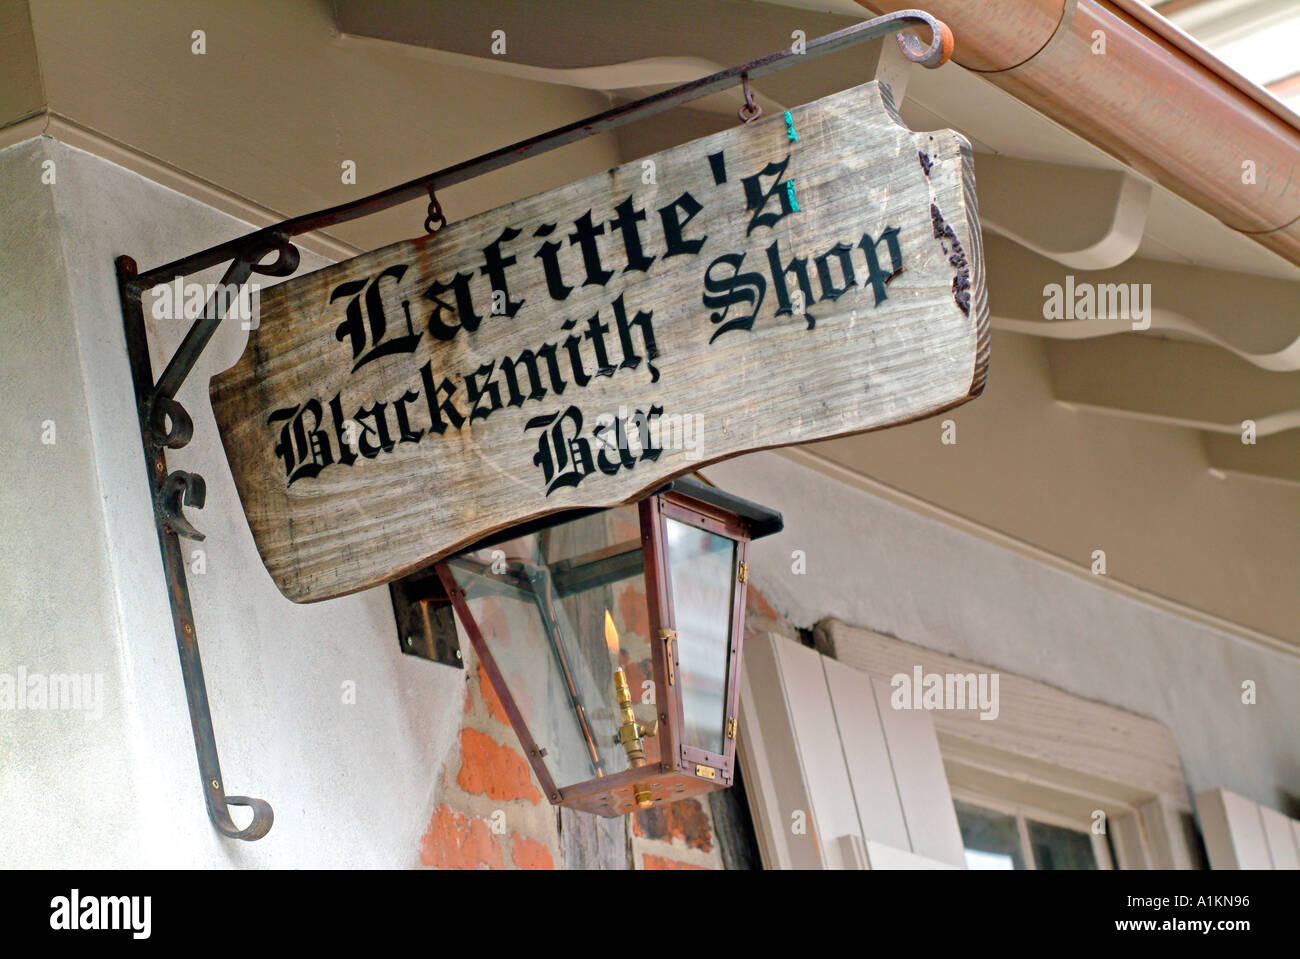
[
  {"x": 876, "y": 564},
  {"x": 81, "y": 586},
  {"x": 63, "y": 775}
]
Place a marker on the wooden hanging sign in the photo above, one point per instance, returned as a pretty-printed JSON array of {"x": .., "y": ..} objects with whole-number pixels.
[{"x": 785, "y": 281}]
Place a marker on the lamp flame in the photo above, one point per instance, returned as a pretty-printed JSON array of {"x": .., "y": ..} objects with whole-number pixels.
[{"x": 611, "y": 634}]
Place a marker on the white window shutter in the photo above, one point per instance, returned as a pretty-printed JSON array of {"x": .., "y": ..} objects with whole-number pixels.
[
  {"x": 862, "y": 738},
  {"x": 1280, "y": 836},
  {"x": 887, "y": 857},
  {"x": 768, "y": 752},
  {"x": 819, "y": 738},
  {"x": 921, "y": 782},
  {"x": 821, "y": 755},
  {"x": 1241, "y": 834}
]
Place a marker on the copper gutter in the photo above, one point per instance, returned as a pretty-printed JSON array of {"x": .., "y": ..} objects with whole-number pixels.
[{"x": 1154, "y": 100}]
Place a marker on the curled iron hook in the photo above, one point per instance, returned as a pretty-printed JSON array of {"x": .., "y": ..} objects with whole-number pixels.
[
  {"x": 934, "y": 54},
  {"x": 285, "y": 263},
  {"x": 179, "y": 490},
  {"x": 169, "y": 423},
  {"x": 218, "y": 803}
]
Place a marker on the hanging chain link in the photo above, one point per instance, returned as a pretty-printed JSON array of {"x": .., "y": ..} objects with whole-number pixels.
[
  {"x": 749, "y": 110},
  {"x": 436, "y": 219}
]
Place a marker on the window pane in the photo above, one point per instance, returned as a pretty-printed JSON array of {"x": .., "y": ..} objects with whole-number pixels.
[
  {"x": 540, "y": 602},
  {"x": 990, "y": 838},
  {"x": 1055, "y": 847},
  {"x": 702, "y": 566}
]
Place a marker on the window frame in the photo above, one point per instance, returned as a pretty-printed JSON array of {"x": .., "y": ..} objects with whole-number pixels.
[{"x": 1023, "y": 812}]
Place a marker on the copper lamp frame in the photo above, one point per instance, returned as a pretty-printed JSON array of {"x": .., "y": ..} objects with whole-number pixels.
[{"x": 683, "y": 770}]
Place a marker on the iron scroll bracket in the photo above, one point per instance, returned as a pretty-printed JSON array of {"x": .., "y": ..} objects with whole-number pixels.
[{"x": 165, "y": 424}]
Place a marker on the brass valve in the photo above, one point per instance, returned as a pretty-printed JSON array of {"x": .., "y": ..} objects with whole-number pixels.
[{"x": 631, "y": 735}]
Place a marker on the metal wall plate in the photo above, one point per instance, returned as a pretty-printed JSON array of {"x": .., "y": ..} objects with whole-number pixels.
[{"x": 426, "y": 624}]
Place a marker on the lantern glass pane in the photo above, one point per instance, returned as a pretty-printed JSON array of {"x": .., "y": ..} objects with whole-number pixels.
[
  {"x": 703, "y": 570},
  {"x": 540, "y": 602}
]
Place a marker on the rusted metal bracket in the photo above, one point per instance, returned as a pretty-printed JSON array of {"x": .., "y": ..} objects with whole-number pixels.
[{"x": 165, "y": 424}]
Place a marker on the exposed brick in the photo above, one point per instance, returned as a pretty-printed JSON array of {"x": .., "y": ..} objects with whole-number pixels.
[
  {"x": 490, "y": 698},
  {"x": 529, "y": 853},
  {"x": 761, "y": 617},
  {"x": 684, "y": 820},
  {"x": 632, "y": 610},
  {"x": 490, "y": 769},
  {"x": 756, "y": 601},
  {"x": 517, "y": 683},
  {"x": 456, "y": 841},
  {"x": 623, "y": 526},
  {"x": 663, "y": 862}
]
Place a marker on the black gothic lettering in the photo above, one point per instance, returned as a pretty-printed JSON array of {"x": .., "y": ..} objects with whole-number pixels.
[
  {"x": 843, "y": 253},
  {"x": 464, "y": 307},
  {"x": 628, "y": 217},
  {"x": 799, "y": 267},
  {"x": 405, "y": 433},
  {"x": 584, "y": 237},
  {"x": 674, "y": 225},
  {"x": 494, "y": 268},
  {"x": 643, "y": 424},
  {"x": 573, "y": 345},
  {"x": 436, "y": 408},
  {"x": 346, "y": 456},
  {"x": 564, "y": 458},
  {"x": 875, "y": 275},
  {"x": 549, "y": 255},
  {"x": 378, "y": 427},
  {"x": 355, "y": 328},
  {"x": 727, "y": 291},
  {"x": 631, "y": 359},
  {"x": 718, "y": 165},
  {"x": 612, "y": 437},
  {"x": 304, "y": 447},
  {"x": 528, "y": 359},
  {"x": 475, "y": 391},
  {"x": 756, "y": 197},
  {"x": 596, "y": 331}
]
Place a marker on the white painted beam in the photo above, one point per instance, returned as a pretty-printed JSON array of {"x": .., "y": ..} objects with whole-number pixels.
[
  {"x": 1174, "y": 382},
  {"x": 1255, "y": 317},
  {"x": 1082, "y": 218},
  {"x": 1270, "y": 457}
]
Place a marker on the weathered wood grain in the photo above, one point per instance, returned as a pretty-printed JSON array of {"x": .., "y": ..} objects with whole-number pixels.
[{"x": 351, "y": 477}]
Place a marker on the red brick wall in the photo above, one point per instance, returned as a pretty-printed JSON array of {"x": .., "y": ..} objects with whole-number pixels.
[{"x": 489, "y": 811}]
